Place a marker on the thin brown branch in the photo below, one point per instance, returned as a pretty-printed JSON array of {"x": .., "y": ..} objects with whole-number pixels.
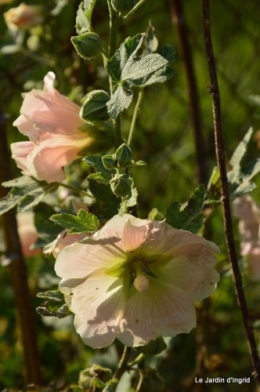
[
  {"x": 220, "y": 155},
  {"x": 18, "y": 272},
  {"x": 178, "y": 17}
]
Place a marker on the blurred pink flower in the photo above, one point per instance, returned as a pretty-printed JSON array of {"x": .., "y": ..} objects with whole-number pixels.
[
  {"x": 51, "y": 121},
  {"x": 24, "y": 16},
  {"x": 248, "y": 213},
  {"x": 27, "y": 233},
  {"x": 136, "y": 280}
]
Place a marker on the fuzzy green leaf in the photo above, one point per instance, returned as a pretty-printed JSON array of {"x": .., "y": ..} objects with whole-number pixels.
[
  {"x": 54, "y": 305},
  {"x": 190, "y": 217},
  {"x": 26, "y": 193},
  {"x": 127, "y": 69},
  {"x": 84, "y": 14},
  {"x": 83, "y": 222},
  {"x": 240, "y": 177}
]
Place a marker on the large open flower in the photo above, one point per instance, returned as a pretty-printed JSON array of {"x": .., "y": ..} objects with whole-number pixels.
[
  {"x": 52, "y": 122},
  {"x": 136, "y": 280}
]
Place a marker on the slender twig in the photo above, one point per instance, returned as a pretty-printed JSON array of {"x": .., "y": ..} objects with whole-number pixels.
[
  {"x": 134, "y": 118},
  {"x": 220, "y": 155},
  {"x": 76, "y": 190},
  {"x": 134, "y": 9},
  {"x": 178, "y": 17},
  {"x": 122, "y": 366},
  {"x": 18, "y": 272}
]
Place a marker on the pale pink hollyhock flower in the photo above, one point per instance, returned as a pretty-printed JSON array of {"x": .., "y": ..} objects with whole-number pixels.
[
  {"x": 51, "y": 121},
  {"x": 24, "y": 17},
  {"x": 136, "y": 280},
  {"x": 27, "y": 233},
  {"x": 248, "y": 214}
]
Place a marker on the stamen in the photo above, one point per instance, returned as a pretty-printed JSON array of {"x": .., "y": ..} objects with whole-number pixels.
[{"x": 141, "y": 283}]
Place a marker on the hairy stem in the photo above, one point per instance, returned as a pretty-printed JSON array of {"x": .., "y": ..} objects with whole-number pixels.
[
  {"x": 137, "y": 107},
  {"x": 134, "y": 9},
  {"x": 18, "y": 272},
  {"x": 113, "y": 26},
  {"x": 178, "y": 17},
  {"x": 220, "y": 155}
]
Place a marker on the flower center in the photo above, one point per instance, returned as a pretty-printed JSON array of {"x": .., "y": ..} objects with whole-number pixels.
[{"x": 139, "y": 274}]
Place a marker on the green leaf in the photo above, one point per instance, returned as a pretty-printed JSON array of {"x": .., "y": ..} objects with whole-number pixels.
[
  {"x": 83, "y": 222},
  {"x": 102, "y": 174},
  {"x": 145, "y": 66},
  {"x": 121, "y": 99},
  {"x": 128, "y": 69},
  {"x": 190, "y": 217},
  {"x": 52, "y": 295},
  {"x": 240, "y": 177},
  {"x": 84, "y": 14},
  {"x": 54, "y": 305},
  {"x": 107, "y": 204},
  {"x": 26, "y": 193},
  {"x": 240, "y": 151},
  {"x": 47, "y": 230}
]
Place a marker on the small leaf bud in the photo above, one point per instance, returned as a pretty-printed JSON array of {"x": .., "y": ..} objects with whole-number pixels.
[
  {"x": 94, "y": 107},
  {"x": 108, "y": 162},
  {"x": 88, "y": 45},
  {"x": 123, "y": 155},
  {"x": 121, "y": 185}
]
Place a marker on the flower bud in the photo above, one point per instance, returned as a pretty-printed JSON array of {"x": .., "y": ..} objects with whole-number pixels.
[
  {"x": 123, "y": 6},
  {"x": 123, "y": 155},
  {"x": 108, "y": 162},
  {"x": 88, "y": 45},
  {"x": 96, "y": 376},
  {"x": 121, "y": 185},
  {"x": 94, "y": 107},
  {"x": 24, "y": 17}
]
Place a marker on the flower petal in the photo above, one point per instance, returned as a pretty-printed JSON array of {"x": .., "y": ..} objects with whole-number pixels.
[
  {"x": 82, "y": 259},
  {"x": 160, "y": 309},
  {"x": 98, "y": 305}
]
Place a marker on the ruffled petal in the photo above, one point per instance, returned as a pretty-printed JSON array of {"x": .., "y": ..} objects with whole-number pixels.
[
  {"x": 160, "y": 309},
  {"x": 20, "y": 151},
  {"x": 47, "y": 159},
  {"x": 133, "y": 236},
  {"x": 98, "y": 304},
  {"x": 82, "y": 259}
]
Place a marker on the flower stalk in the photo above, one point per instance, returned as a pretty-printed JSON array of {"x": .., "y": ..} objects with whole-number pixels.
[{"x": 221, "y": 162}]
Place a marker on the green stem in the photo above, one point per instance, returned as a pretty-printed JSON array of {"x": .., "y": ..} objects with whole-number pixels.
[
  {"x": 221, "y": 161},
  {"x": 113, "y": 25},
  {"x": 114, "y": 20},
  {"x": 77, "y": 190},
  {"x": 133, "y": 10},
  {"x": 137, "y": 107},
  {"x": 117, "y": 125},
  {"x": 122, "y": 366},
  {"x": 137, "y": 360}
]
